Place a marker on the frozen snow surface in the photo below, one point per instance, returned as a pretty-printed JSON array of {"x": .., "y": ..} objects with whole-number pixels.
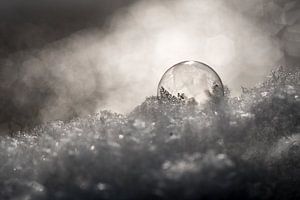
[{"x": 234, "y": 148}]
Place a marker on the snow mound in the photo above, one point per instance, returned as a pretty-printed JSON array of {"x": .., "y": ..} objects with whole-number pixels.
[{"x": 246, "y": 147}]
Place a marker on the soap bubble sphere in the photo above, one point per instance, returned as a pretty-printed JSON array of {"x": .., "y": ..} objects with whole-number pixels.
[{"x": 190, "y": 81}]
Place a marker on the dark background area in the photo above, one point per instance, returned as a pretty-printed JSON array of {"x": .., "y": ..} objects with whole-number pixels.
[{"x": 32, "y": 24}]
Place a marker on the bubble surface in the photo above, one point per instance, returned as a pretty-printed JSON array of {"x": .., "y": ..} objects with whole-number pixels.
[{"x": 190, "y": 81}]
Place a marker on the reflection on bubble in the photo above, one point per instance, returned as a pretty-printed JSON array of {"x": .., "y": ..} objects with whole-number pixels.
[{"x": 190, "y": 81}]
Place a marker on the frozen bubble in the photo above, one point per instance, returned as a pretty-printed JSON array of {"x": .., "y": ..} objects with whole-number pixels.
[{"x": 190, "y": 81}]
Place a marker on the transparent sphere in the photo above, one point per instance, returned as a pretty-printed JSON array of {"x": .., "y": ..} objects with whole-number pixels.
[{"x": 190, "y": 81}]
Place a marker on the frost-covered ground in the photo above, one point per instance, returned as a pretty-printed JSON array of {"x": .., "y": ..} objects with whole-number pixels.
[{"x": 246, "y": 147}]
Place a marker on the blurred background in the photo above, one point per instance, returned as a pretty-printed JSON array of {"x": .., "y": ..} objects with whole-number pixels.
[{"x": 61, "y": 59}]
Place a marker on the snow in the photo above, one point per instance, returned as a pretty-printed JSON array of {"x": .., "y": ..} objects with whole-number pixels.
[{"x": 246, "y": 147}]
